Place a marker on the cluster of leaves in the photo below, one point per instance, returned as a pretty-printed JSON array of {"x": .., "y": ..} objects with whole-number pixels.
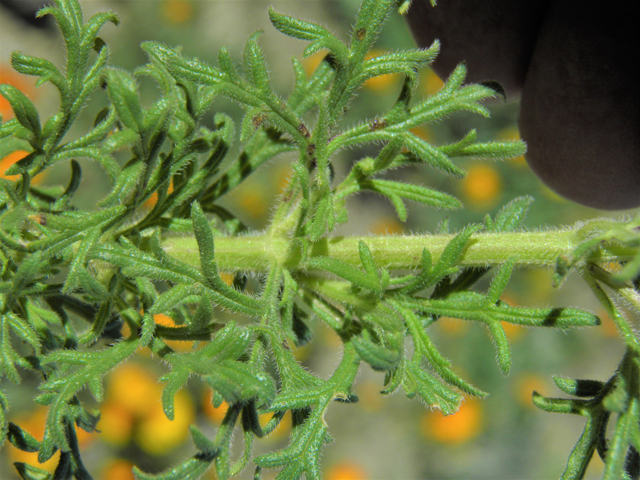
[
  {"x": 73, "y": 278},
  {"x": 616, "y": 401}
]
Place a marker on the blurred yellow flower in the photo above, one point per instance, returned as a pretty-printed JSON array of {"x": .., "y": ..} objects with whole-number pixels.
[
  {"x": 251, "y": 196},
  {"x": 301, "y": 353},
  {"x": 370, "y": 397},
  {"x": 381, "y": 83},
  {"x": 452, "y": 326},
  {"x": 525, "y": 385},
  {"x": 423, "y": 132},
  {"x": 283, "y": 428},
  {"x": 118, "y": 469},
  {"x": 167, "y": 321},
  {"x": 329, "y": 337},
  {"x": 133, "y": 388},
  {"x": 33, "y": 423},
  {"x": 311, "y": 62},
  {"x": 551, "y": 195},
  {"x": 508, "y": 134},
  {"x": 385, "y": 226},
  {"x": 283, "y": 176},
  {"x": 177, "y": 11},
  {"x": 215, "y": 414},
  {"x": 460, "y": 427},
  {"x": 514, "y": 332},
  {"x": 539, "y": 285},
  {"x": 156, "y": 434},
  {"x": 227, "y": 277},
  {"x": 116, "y": 423},
  {"x": 482, "y": 186},
  {"x": 430, "y": 82}
]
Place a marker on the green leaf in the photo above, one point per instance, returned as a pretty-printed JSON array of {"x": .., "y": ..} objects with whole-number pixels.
[
  {"x": 93, "y": 25},
  {"x": 21, "y": 439},
  {"x": 432, "y": 391},
  {"x": 510, "y": 216},
  {"x": 579, "y": 388},
  {"x": 582, "y": 452},
  {"x": 255, "y": 62},
  {"x": 123, "y": 93},
  {"x": 301, "y": 456},
  {"x": 424, "y": 347},
  {"x": 346, "y": 271},
  {"x": 24, "y": 110},
  {"x": 126, "y": 184},
  {"x": 446, "y": 264},
  {"x": 201, "y": 441},
  {"x": 387, "y": 155},
  {"x": 8, "y": 356},
  {"x": 173, "y": 298},
  {"x": 238, "y": 383},
  {"x": 416, "y": 193},
  {"x": 323, "y": 219},
  {"x": 5, "y": 425},
  {"x": 319, "y": 36},
  {"x": 406, "y": 62},
  {"x": 29, "y": 472},
  {"x": 74, "y": 183},
  {"x": 91, "y": 366},
  {"x": 156, "y": 126},
  {"x": 191, "y": 469},
  {"x": 77, "y": 267},
  {"x": 380, "y": 357},
  {"x": 500, "y": 281},
  {"x": 371, "y": 17},
  {"x": 204, "y": 237},
  {"x": 39, "y": 67}
]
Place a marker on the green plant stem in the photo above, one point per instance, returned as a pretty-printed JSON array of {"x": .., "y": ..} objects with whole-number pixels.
[
  {"x": 395, "y": 252},
  {"x": 591, "y": 276}
]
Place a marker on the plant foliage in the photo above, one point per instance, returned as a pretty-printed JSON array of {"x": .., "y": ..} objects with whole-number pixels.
[{"x": 79, "y": 288}]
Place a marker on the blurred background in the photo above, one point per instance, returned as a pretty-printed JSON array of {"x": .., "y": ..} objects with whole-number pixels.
[{"x": 503, "y": 436}]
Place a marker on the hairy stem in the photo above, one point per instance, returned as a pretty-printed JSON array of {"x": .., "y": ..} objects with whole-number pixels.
[{"x": 528, "y": 249}]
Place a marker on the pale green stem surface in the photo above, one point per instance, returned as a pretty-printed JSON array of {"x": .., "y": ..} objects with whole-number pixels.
[{"x": 395, "y": 252}]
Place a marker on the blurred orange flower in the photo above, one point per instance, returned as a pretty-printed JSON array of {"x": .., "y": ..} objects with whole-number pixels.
[
  {"x": 346, "y": 471},
  {"x": 118, "y": 470},
  {"x": 21, "y": 82},
  {"x": 525, "y": 385},
  {"x": 34, "y": 423},
  {"x": 460, "y": 427},
  {"x": 482, "y": 186},
  {"x": 12, "y": 158},
  {"x": 153, "y": 199}
]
